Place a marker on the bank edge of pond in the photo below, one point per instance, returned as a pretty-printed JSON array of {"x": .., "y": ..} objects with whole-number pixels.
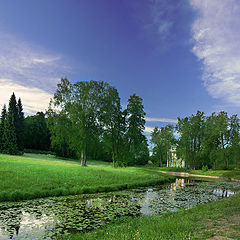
[
  {"x": 21, "y": 195},
  {"x": 215, "y": 219},
  {"x": 231, "y": 174},
  {"x": 186, "y": 174}
]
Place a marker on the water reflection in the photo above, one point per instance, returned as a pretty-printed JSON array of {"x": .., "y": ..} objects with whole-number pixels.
[
  {"x": 11, "y": 229},
  {"x": 223, "y": 193},
  {"x": 180, "y": 183},
  {"x": 52, "y": 217}
]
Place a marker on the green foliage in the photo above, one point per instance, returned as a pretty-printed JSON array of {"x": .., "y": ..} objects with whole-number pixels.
[
  {"x": 9, "y": 135},
  {"x": 36, "y": 133},
  {"x": 2, "y": 124},
  {"x": 192, "y": 131},
  {"x": 85, "y": 119},
  {"x": 205, "y": 168},
  {"x": 13, "y": 106},
  {"x": 83, "y": 114},
  {"x": 211, "y": 141},
  {"x": 162, "y": 139},
  {"x": 136, "y": 141},
  {"x": 20, "y": 125},
  {"x": 114, "y": 122},
  {"x": 11, "y": 127}
]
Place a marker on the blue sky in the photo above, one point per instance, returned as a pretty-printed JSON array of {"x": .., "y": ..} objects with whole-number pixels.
[{"x": 179, "y": 56}]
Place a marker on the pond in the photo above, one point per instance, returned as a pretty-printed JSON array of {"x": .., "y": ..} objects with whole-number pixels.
[{"x": 48, "y": 218}]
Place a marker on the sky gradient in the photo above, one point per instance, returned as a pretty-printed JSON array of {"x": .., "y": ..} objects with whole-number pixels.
[{"x": 179, "y": 58}]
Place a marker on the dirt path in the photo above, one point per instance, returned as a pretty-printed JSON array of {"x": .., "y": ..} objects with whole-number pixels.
[{"x": 184, "y": 174}]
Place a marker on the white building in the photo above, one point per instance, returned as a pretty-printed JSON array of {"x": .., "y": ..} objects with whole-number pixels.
[{"x": 172, "y": 160}]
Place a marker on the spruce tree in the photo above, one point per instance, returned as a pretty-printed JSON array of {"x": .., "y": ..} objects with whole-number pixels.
[
  {"x": 9, "y": 135},
  {"x": 2, "y": 123},
  {"x": 137, "y": 142},
  {"x": 20, "y": 125},
  {"x": 13, "y": 105}
]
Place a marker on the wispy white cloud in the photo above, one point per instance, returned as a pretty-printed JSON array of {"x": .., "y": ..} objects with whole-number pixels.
[
  {"x": 30, "y": 65},
  {"x": 33, "y": 99},
  {"x": 148, "y": 129},
  {"x": 164, "y": 120},
  {"x": 216, "y": 35},
  {"x": 29, "y": 70},
  {"x": 163, "y": 16},
  {"x": 161, "y": 19}
]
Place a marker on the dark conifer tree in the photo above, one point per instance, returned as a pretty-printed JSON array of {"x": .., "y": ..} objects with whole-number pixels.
[
  {"x": 9, "y": 135},
  {"x": 13, "y": 106},
  {"x": 137, "y": 142},
  {"x": 2, "y": 123},
  {"x": 20, "y": 125}
]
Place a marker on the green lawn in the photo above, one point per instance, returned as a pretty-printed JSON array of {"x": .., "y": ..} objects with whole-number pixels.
[{"x": 34, "y": 175}]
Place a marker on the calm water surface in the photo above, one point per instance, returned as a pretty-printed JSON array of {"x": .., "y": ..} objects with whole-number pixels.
[{"x": 51, "y": 217}]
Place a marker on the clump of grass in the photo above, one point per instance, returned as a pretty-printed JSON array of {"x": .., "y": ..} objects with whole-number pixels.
[{"x": 36, "y": 176}]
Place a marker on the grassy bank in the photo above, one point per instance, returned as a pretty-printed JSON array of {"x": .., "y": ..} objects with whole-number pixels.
[
  {"x": 34, "y": 176},
  {"x": 215, "y": 220}
]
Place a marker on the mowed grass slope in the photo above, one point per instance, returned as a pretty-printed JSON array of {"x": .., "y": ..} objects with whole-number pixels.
[{"x": 33, "y": 175}]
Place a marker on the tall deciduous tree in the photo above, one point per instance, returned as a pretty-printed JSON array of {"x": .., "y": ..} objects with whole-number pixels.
[
  {"x": 191, "y": 132},
  {"x": 235, "y": 139},
  {"x": 82, "y": 104},
  {"x": 162, "y": 139},
  {"x": 114, "y": 122}
]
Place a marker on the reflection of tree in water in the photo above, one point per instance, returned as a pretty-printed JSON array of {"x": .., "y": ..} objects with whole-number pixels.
[
  {"x": 11, "y": 222},
  {"x": 223, "y": 192}
]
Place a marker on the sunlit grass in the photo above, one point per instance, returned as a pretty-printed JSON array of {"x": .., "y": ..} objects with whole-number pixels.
[{"x": 34, "y": 175}]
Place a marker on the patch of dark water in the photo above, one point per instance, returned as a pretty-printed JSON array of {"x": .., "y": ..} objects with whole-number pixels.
[{"x": 49, "y": 218}]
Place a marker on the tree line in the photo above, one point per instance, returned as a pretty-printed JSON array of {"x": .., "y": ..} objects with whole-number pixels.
[
  {"x": 84, "y": 120},
  {"x": 202, "y": 141}
]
